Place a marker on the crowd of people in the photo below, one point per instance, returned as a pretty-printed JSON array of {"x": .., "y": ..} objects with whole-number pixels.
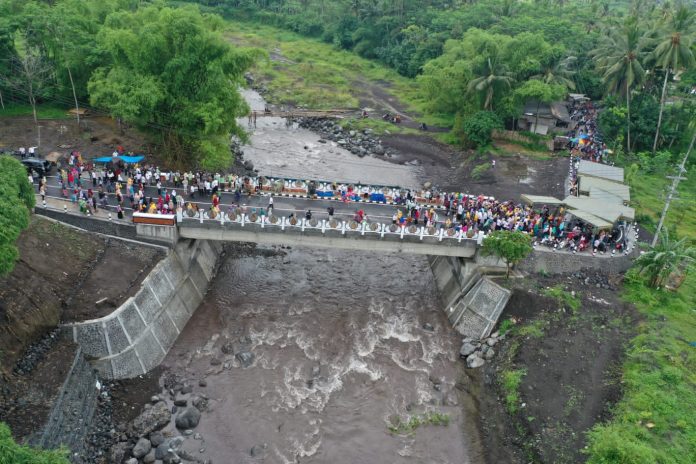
[
  {"x": 586, "y": 140},
  {"x": 89, "y": 185}
]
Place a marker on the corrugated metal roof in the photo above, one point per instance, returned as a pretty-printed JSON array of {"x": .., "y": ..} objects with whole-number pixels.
[
  {"x": 601, "y": 208},
  {"x": 604, "y": 189},
  {"x": 603, "y": 171},
  {"x": 591, "y": 219},
  {"x": 540, "y": 200}
]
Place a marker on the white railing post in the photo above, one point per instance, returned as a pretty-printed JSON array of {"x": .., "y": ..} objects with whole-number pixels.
[
  {"x": 343, "y": 227},
  {"x": 282, "y": 224},
  {"x": 403, "y": 229},
  {"x": 304, "y": 223},
  {"x": 461, "y": 234},
  {"x": 382, "y": 230},
  {"x": 263, "y": 221},
  {"x": 442, "y": 232},
  {"x": 243, "y": 219},
  {"x": 323, "y": 226},
  {"x": 200, "y": 215},
  {"x": 363, "y": 226},
  {"x": 222, "y": 218},
  {"x": 422, "y": 229}
]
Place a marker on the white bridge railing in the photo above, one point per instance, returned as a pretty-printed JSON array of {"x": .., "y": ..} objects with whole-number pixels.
[{"x": 332, "y": 225}]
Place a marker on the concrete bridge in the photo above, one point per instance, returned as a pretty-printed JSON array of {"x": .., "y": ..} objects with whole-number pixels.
[{"x": 292, "y": 231}]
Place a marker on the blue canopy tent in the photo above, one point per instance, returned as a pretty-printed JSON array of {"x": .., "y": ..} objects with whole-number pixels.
[{"x": 124, "y": 158}]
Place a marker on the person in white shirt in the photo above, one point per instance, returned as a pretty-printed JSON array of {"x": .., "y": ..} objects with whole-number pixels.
[{"x": 32, "y": 151}]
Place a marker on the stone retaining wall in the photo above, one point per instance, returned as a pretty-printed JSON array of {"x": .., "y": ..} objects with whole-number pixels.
[
  {"x": 560, "y": 262},
  {"x": 73, "y": 410},
  {"x": 136, "y": 337}
]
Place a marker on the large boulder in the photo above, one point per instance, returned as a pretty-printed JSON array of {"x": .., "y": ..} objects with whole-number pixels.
[
  {"x": 188, "y": 418},
  {"x": 466, "y": 350},
  {"x": 142, "y": 448},
  {"x": 150, "y": 420},
  {"x": 474, "y": 361},
  {"x": 167, "y": 450}
]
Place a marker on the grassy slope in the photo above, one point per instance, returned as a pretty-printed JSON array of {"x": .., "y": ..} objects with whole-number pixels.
[
  {"x": 655, "y": 422},
  {"x": 314, "y": 74},
  {"x": 648, "y": 193},
  {"x": 45, "y": 111}
]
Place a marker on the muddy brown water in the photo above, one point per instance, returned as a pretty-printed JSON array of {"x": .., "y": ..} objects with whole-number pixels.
[{"x": 340, "y": 351}]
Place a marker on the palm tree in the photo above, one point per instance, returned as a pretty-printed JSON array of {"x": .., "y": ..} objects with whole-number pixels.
[
  {"x": 493, "y": 77},
  {"x": 673, "y": 52},
  {"x": 666, "y": 257},
  {"x": 557, "y": 70},
  {"x": 619, "y": 59}
]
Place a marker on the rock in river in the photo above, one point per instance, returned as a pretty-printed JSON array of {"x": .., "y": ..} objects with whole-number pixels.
[
  {"x": 188, "y": 418},
  {"x": 466, "y": 350},
  {"x": 245, "y": 357},
  {"x": 151, "y": 419},
  {"x": 142, "y": 448}
]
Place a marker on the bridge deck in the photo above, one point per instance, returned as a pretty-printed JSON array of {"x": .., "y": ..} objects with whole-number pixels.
[{"x": 323, "y": 233}]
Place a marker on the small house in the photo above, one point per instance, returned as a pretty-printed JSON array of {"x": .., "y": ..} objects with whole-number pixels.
[{"x": 544, "y": 118}]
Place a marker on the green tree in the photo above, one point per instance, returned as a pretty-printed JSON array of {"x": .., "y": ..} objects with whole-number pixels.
[
  {"x": 492, "y": 78},
  {"x": 673, "y": 53},
  {"x": 666, "y": 257},
  {"x": 539, "y": 92},
  {"x": 16, "y": 199},
  {"x": 170, "y": 71},
  {"x": 619, "y": 59},
  {"x": 510, "y": 246},
  {"x": 478, "y": 128}
]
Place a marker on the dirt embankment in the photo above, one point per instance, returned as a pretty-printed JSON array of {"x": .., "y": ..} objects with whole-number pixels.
[
  {"x": 568, "y": 362},
  {"x": 60, "y": 276},
  {"x": 97, "y": 136}
]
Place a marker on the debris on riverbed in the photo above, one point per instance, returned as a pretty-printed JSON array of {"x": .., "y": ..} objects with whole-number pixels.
[{"x": 477, "y": 352}]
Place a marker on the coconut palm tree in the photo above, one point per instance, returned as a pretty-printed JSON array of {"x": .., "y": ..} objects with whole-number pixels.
[
  {"x": 673, "y": 52},
  {"x": 666, "y": 257},
  {"x": 493, "y": 77},
  {"x": 558, "y": 70},
  {"x": 619, "y": 58}
]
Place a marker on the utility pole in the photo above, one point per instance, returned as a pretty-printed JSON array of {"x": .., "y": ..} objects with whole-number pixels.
[
  {"x": 38, "y": 145},
  {"x": 673, "y": 190}
]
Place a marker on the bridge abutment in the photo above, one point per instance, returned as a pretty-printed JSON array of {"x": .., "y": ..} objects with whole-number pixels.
[
  {"x": 137, "y": 336},
  {"x": 472, "y": 302}
]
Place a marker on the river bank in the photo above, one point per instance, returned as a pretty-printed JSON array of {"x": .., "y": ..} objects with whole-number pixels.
[{"x": 63, "y": 275}]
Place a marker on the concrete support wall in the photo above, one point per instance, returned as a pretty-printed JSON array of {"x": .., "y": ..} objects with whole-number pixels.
[
  {"x": 472, "y": 303},
  {"x": 137, "y": 336},
  {"x": 561, "y": 262}
]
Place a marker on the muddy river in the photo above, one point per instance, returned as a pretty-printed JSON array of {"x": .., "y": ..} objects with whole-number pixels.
[
  {"x": 280, "y": 149},
  {"x": 343, "y": 345}
]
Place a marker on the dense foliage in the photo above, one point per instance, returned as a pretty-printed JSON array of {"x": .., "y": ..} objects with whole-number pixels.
[
  {"x": 16, "y": 199},
  {"x": 495, "y": 55},
  {"x": 166, "y": 70}
]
